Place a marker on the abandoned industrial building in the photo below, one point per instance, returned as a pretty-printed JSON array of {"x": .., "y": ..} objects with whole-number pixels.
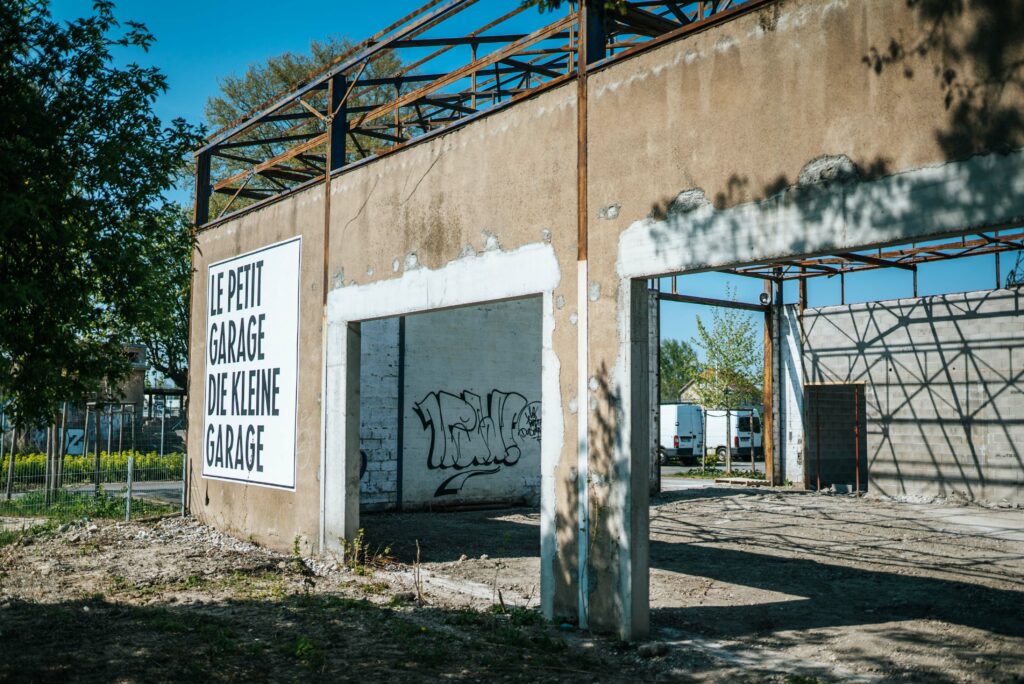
[{"x": 440, "y": 289}]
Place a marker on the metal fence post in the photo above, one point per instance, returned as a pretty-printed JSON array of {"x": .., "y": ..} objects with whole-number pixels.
[
  {"x": 10, "y": 468},
  {"x": 184, "y": 481},
  {"x": 128, "y": 489},
  {"x": 96, "y": 451},
  {"x": 163, "y": 416}
]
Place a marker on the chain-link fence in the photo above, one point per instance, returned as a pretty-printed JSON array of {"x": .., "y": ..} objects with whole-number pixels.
[{"x": 110, "y": 460}]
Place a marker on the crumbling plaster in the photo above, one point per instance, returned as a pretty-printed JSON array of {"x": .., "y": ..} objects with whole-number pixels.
[{"x": 734, "y": 113}]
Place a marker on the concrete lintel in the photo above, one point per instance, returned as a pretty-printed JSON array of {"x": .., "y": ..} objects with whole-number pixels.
[
  {"x": 487, "y": 277},
  {"x": 821, "y": 218}
]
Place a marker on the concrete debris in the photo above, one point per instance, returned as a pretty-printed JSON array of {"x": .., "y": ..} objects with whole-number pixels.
[
  {"x": 610, "y": 212},
  {"x": 828, "y": 169}
]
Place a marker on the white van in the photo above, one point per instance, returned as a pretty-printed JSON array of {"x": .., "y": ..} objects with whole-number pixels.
[
  {"x": 744, "y": 432},
  {"x": 682, "y": 431}
]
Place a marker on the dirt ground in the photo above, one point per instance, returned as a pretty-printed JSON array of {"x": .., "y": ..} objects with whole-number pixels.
[
  {"x": 754, "y": 584},
  {"x": 746, "y": 585}
]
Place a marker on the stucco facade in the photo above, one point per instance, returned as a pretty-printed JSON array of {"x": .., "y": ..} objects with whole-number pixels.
[{"x": 788, "y": 130}]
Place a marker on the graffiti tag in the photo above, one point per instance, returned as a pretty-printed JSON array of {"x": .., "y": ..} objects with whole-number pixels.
[{"x": 466, "y": 434}]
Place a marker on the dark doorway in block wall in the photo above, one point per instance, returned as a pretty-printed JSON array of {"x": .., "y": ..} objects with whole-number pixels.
[{"x": 836, "y": 428}]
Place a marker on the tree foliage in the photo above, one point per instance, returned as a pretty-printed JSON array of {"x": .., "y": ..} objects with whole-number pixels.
[
  {"x": 263, "y": 82},
  {"x": 552, "y": 5},
  {"x": 734, "y": 362},
  {"x": 678, "y": 366},
  {"x": 164, "y": 326},
  {"x": 85, "y": 164}
]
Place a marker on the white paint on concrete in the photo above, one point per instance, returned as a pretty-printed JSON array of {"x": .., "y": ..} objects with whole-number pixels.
[
  {"x": 582, "y": 447},
  {"x": 550, "y": 453},
  {"x": 926, "y": 202},
  {"x": 791, "y": 421},
  {"x": 491, "y": 276}
]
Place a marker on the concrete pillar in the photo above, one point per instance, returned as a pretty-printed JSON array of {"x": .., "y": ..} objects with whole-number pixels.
[
  {"x": 339, "y": 476},
  {"x": 617, "y": 572}
]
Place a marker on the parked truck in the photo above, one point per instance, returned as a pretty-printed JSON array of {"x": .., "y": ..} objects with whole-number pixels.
[
  {"x": 744, "y": 432},
  {"x": 682, "y": 432}
]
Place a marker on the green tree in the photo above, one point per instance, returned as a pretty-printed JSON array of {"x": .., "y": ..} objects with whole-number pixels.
[
  {"x": 263, "y": 82},
  {"x": 552, "y": 5},
  {"x": 678, "y": 366},
  {"x": 164, "y": 326},
  {"x": 734, "y": 361},
  {"x": 85, "y": 164}
]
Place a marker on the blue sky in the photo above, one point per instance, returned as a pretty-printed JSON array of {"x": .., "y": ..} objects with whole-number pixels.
[
  {"x": 198, "y": 43},
  {"x": 679, "y": 321}
]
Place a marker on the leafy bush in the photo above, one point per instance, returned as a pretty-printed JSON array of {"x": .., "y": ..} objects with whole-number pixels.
[{"x": 30, "y": 469}]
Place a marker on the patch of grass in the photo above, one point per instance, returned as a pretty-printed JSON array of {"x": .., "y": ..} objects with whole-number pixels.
[
  {"x": 308, "y": 653},
  {"x": 8, "y": 537},
  {"x": 194, "y": 582},
  {"x": 65, "y": 506},
  {"x": 801, "y": 679}
]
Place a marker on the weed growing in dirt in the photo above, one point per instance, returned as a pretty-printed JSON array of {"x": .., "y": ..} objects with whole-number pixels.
[
  {"x": 8, "y": 537},
  {"x": 308, "y": 653},
  {"x": 361, "y": 558}
]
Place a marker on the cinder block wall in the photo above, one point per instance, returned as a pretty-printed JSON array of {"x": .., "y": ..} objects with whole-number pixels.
[
  {"x": 378, "y": 414},
  {"x": 944, "y": 389}
]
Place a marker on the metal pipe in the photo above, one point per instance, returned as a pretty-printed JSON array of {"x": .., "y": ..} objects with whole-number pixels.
[
  {"x": 47, "y": 466},
  {"x": 3, "y": 427},
  {"x": 96, "y": 453},
  {"x": 10, "y": 467},
  {"x": 128, "y": 489},
  {"x": 63, "y": 444},
  {"x": 184, "y": 483}
]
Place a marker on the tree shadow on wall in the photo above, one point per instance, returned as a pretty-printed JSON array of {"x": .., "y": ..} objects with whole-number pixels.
[{"x": 973, "y": 50}]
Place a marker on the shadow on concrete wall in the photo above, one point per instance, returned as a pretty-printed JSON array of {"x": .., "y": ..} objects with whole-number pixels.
[
  {"x": 944, "y": 389},
  {"x": 974, "y": 52}
]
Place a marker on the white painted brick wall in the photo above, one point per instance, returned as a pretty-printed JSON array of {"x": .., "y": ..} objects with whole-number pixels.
[
  {"x": 378, "y": 405},
  {"x": 479, "y": 350}
]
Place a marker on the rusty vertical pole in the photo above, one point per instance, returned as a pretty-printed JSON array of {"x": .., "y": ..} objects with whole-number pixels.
[
  {"x": 998, "y": 274},
  {"x": 582, "y": 362},
  {"x": 472, "y": 78},
  {"x": 856, "y": 439},
  {"x": 201, "y": 213},
  {"x": 817, "y": 442}
]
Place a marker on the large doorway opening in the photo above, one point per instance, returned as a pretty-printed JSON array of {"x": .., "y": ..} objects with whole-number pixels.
[{"x": 450, "y": 444}]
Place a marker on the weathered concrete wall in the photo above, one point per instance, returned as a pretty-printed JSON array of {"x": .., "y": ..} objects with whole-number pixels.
[
  {"x": 472, "y": 405},
  {"x": 944, "y": 389},
  {"x": 274, "y": 517},
  {"x": 789, "y": 130}
]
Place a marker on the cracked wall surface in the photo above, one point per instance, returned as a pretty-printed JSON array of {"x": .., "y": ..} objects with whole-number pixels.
[{"x": 798, "y": 128}]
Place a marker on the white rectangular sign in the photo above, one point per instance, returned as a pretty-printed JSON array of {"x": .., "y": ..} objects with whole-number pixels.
[{"x": 252, "y": 353}]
